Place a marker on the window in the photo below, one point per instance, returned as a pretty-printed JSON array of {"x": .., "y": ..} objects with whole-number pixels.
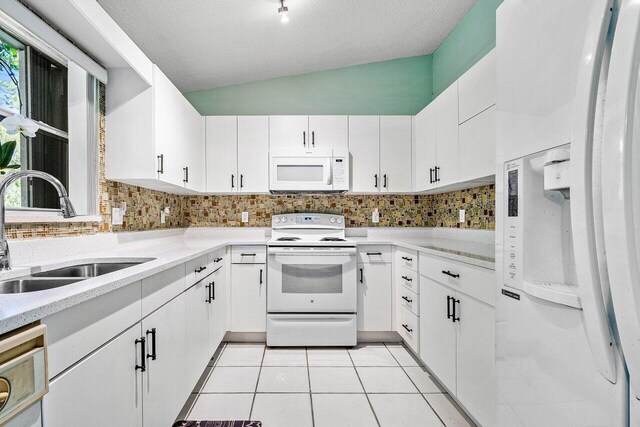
[{"x": 61, "y": 98}]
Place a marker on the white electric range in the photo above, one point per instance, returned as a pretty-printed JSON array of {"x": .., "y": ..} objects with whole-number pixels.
[{"x": 312, "y": 286}]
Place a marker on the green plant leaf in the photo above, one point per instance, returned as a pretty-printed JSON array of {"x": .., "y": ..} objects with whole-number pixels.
[{"x": 6, "y": 153}]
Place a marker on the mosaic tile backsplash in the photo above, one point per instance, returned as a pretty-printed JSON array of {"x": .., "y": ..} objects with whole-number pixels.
[{"x": 144, "y": 206}]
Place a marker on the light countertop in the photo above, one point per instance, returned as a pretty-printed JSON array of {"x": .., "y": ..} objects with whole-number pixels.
[{"x": 168, "y": 249}]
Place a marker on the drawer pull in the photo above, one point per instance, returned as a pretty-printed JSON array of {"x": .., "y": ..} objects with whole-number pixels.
[
  {"x": 448, "y": 273},
  {"x": 407, "y": 328},
  {"x": 409, "y": 300},
  {"x": 407, "y": 278},
  {"x": 143, "y": 353},
  {"x": 374, "y": 253},
  {"x": 247, "y": 254},
  {"x": 217, "y": 260},
  {"x": 200, "y": 270},
  {"x": 406, "y": 258}
]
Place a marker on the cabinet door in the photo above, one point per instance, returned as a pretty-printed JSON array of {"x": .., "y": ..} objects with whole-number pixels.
[
  {"x": 476, "y": 358},
  {"x": 248, "y": 298},
  {"x": 447, "y": 149},
  {"x": 253, "y": 154},
  {"x": 105, "y": 389},
  {"x": 395, "y": 154},
  {"x": 164, "y": 385},
  {"x": 425, "y": 148},
  {"x": 478, "y": 146},
  {"x": 477, "y": 87},
  {"x": 197, "y": 331},
  {"x": 374, "y": 297},
  {"x": 329, "y": 132},
  {"x": 169, "y": 128},
  {"x": 222, "y": 153},
  {"x": 437, "y": 332},
  {"x": 194, "y": 150},
  {"x": 217, "y": 308},
  {"x": 289, "y": 132},
  {"x": 364, "y": 148}
]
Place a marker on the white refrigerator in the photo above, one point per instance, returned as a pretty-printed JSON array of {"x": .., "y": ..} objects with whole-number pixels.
[{"x": 568, "y": 213}]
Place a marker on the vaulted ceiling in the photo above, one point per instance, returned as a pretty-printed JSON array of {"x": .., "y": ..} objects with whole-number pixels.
[{"x": 202, "y": 44}]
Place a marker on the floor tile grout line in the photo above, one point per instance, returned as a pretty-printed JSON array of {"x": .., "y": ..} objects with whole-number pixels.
[
  {"x": 306, "y": 356},
  {"x": 366, "y": 395},
  {"x": 255, "y": 392},
  {"x": 414, "y": 384}
]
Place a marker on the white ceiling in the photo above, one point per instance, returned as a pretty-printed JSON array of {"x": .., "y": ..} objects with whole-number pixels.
[{"x": 202, "y": 44}]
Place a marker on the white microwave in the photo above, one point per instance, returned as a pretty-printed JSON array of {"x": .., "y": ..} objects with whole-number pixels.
[{"x": 309, "y": 171}]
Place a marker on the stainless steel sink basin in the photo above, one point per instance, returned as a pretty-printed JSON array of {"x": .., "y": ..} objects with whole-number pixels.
[
  {"x": 87, "y": 270},
  {"x": 30, "y": 284}
]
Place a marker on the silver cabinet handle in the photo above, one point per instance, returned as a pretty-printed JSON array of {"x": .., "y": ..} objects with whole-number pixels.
[
  {"x": 185, "y": 179},
  {"x": 161, "y": 163}
]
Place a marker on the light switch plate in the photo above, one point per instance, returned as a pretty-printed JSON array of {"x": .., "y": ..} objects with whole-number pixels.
[
  {"x": 463, "y": 215},
  {"x": 245, "y": 216},
  {"x": 375, "y": 216}
]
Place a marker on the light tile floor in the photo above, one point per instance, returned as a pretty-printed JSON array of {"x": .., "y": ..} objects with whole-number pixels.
[{"x": 368, "y": 385}]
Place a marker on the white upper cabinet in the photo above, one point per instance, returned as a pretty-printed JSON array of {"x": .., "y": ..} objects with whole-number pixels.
[
  {"x": 329, "y": 132},
  {"x": 153, "y": 136},
  {"x": 425, "y": 148},
  {"x": 222, "y": 153},
  {"x": 477, "y": 87},
  {"x": 253, "y": 154},
  {"x": 364, "y": 147},
  {"x": 395, "y": 154},
  {"x": 289, "y": 132},
  {"x": 308, "y": 132},
  {"x": 478, "y": 146},
  {"x": 447, "y": 148}
]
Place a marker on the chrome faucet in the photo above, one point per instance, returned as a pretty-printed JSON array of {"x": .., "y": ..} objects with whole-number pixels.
[{"x": 65, "y": 206}]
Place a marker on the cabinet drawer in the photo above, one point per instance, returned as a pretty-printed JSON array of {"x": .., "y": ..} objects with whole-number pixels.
[
  {"x": 408, "y": 279},
  {"x": 409, "y": 299},
  {"x": 407, "y": 258},
  {"x": 157, "y": 290},
  {"x": 371, "y": 254},
  {"x": 197, "y": 269},
  {"x": 474, "y": 281},
  {"x": 408, "y": 328},
  {"x": 215, "y": 260},
  {"x": 249, "y": 254}
]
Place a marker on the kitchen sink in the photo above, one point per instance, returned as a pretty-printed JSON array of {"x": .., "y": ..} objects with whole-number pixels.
[
  {"x": 88, "y": 270},
  {"x": 31, "y": 284}
]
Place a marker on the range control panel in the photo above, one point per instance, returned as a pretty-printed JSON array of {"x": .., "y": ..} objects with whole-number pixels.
[{"x": 307, "y": 220}]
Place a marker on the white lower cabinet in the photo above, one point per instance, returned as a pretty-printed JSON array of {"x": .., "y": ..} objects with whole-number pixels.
[
  {"x": 104, "y": 389},
  {"x": 374, "y": 297},
  {"x": 248, "y": 297},
  {"x": 198, "y": 325},
  {"x": 457, "y": 339},
  {"x": 437, "y": 331},
  {"x": 164, "y": 381},
  {"x": 217, "y": 283}
]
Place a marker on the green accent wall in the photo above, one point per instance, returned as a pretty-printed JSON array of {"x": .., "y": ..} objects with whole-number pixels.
[
  {"x": 400, "y": 86},
  {"x": 472, "y": 39}
]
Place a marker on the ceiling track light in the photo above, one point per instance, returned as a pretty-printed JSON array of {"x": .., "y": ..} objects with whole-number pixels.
[{"x": 283, "y": 11}]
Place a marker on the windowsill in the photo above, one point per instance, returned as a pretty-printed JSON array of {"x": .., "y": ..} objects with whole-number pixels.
[{"x": 19, "y": 217}]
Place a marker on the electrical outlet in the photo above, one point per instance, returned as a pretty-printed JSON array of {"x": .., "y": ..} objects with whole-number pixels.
[
  {"x": 245, "y": 216},
  {"x": 375, "y": 216},
  {"x": 163, "y": 217},
  {"x": 463, "y": 215},
  {"x": 116, "y": 216}
]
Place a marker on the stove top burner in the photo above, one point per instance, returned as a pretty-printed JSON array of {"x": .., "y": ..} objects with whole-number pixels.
[
  {"x": 287, "y": 239},
  {"x": 332, "y": 239}
]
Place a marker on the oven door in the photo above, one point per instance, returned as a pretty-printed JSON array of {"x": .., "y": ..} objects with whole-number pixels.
[
  {"x": 312, "y": 173},
  {"x": 312, "y": 280}
]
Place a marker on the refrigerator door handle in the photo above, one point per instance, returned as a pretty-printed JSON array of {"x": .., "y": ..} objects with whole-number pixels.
[
  {"x": 621, "y": 185},
  {"x": 596, "y": 321}
]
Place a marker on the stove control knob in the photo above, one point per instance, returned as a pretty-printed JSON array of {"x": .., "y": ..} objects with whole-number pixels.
[
  {"x": 339, "y": 220},
  {"x": 284, "y": 219},
  {"x": 277, "y": 220},
  {"x": 332, "y": 220}
]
